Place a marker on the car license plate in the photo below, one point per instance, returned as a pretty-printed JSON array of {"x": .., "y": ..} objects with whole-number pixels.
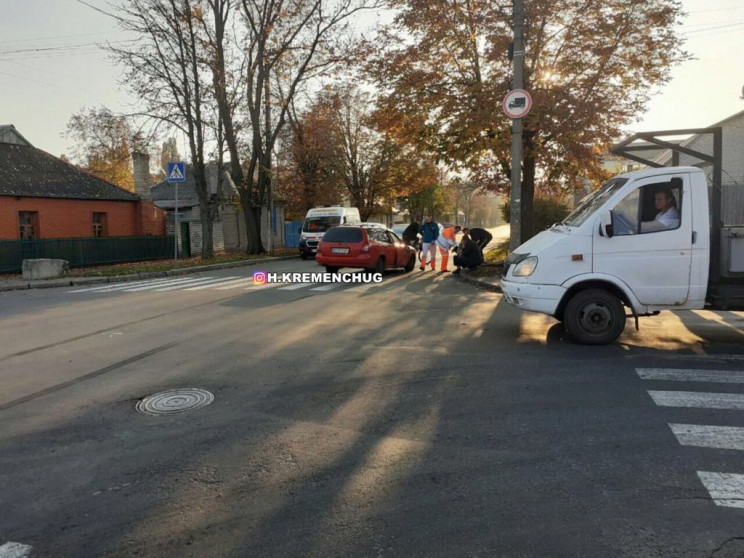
[{"x": 339, "y": 250}]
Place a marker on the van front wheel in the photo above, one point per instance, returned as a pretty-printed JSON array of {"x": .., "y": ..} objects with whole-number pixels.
[{"x": 594, "y": 317}]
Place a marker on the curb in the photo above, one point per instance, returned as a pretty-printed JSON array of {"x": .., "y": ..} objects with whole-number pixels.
[
  {"x": 75, "y": 281},
  {"x": 485, "y": 285}
]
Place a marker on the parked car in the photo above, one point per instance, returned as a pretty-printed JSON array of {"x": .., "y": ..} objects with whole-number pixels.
[
  {"x": 372, "y": 248},
  {"x": 398, "y": 229}
]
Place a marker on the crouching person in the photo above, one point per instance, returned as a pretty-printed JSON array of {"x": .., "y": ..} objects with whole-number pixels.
[{"x": 470, "y": 255}]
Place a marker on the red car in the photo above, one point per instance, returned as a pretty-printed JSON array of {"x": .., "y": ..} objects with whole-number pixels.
[{"x": 371, "y": 248}]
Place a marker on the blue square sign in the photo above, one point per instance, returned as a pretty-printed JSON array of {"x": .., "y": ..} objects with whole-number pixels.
[{"x": 176, "y": 172}]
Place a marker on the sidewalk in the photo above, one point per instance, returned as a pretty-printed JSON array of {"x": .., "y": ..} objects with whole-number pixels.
[{"x": 19, "y": 284}]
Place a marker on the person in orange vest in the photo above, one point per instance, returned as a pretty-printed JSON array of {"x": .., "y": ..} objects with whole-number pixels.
[{"x": 446, "y": 242}]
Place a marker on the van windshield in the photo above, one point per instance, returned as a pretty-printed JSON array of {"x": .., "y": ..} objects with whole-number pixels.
[
  {"x": 320, "y": 224},
  {"x": 592, "y": 202}
]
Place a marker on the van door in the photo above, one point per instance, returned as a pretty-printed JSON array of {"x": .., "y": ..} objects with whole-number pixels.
[{"x": 651, "y": 246}]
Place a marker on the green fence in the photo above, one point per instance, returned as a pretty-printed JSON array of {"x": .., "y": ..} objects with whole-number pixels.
[{"x": 85, "y": 251}]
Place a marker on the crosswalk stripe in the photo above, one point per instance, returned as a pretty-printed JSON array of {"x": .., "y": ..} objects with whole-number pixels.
[
  {"x": 726, "y": 489},
  {"x": 327, "y": 287},
  {"x": 191, "y": 283},
  {"x": 699, "y": 400},
  {"x": 15, "y": 550},
  {"x": 683, "y": 375},
  {"x": 243, "y": 282},
  {"x": 216, "y": 282},
  {"x": 719, "y": 437},
  {"x": 156, "y": 284},
  {"x": 120, "y": 285},
  {"x": 295, "y": 286}
]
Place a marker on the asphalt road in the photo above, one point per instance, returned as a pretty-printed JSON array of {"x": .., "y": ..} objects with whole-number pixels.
[{"x": 418, "y": 417}]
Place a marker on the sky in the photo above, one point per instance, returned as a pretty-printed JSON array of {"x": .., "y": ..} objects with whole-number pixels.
[{"x": 51, "y": 66}]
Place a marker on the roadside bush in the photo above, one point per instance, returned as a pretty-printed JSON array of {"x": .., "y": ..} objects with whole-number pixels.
[{"x": 545, "y": 212}]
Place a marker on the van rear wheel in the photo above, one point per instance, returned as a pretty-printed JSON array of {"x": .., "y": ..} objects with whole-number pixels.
[{"x": 594, "y": 317}]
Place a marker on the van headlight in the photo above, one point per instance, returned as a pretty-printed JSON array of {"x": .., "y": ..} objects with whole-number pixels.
[{"x": 526, "y": 267}]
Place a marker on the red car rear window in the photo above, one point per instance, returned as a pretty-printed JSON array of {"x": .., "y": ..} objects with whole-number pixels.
[{"x": 343, "y": 234}]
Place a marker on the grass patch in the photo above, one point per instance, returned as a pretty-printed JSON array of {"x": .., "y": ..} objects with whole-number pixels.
[{"x": 498, "y": 254}]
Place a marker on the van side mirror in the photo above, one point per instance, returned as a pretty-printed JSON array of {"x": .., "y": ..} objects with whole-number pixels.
[{"x": 605, "y": 224}]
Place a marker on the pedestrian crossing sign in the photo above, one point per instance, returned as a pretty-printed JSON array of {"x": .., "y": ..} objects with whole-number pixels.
[{"x": 176, "y": 172}]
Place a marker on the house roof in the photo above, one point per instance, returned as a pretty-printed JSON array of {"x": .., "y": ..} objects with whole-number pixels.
[
  {"x": 26, "y": 171},
  {"x": 163, "y": 193}
]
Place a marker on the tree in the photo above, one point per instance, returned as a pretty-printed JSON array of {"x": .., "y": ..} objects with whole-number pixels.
[
  {"x": 283, "y": 47},
  {"x": 431, "y": 200},
  {"x": 590, "y": 66},
  {"x": 373, "y": 166},
  {"x": 103, "y": 141},
  {"x": 166, "y": 68},
  {"x": 305, "y": 162},
  {"x": 168, "y": 153}
]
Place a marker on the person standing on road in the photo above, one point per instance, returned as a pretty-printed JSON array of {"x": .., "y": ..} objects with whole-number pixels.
[
  {"x": 446, "y": 241},
  {"x": 470, "y": 255},
  {"x": 481, "y": 237},
  {"x": 429, "y": 232}
]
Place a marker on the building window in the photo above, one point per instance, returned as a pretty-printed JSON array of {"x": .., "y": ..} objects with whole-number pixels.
[
  {"x": 99, "y": 225},
  {"x": 29, "y": 225}
]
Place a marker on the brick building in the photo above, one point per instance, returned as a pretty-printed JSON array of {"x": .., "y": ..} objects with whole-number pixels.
[{"x": 42, "y": 196}]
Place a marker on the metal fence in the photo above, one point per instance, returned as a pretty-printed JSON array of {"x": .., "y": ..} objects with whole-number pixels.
[
  {"x": 292, "y": 234},
  {"x": 85, "y": 251}
]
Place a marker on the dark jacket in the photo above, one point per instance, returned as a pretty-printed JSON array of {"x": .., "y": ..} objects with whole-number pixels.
[
  {"x": 470, "y": 255},
  {"x": 409, "y": 235},
  {"x": 429, "y": 231},
  {"x": 481, "y": 236}
]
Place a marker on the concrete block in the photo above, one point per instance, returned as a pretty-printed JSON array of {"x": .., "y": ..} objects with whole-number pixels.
[{"x": 44, "y": 269}]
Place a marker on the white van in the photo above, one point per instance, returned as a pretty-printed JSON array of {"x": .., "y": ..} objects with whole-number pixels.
[
  {"x": 644, "y": 241},
  {"x": 318, "y": 220}
]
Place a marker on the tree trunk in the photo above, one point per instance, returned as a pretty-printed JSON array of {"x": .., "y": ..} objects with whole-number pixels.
[
  {"x": 207, "y": 223},
  {"x": 528, "y": 195}
]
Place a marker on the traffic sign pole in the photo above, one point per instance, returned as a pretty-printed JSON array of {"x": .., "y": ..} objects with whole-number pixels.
[
  {"x": 176, "y": 174},
  {"x": 515, "y": 210},
  {"x": 175, "y": 226}
]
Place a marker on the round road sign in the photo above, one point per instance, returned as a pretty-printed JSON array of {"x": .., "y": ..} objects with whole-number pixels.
[{"x": 517, "y": 103}]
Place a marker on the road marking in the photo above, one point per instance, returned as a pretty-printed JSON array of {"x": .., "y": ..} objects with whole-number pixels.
[
  {"x": 156, "y": 284},
  {"x": 719, "y": 437},
  {"x": 220, "y": 281},
  {"x": 243, "y": 282},
  {"x": 295, "y": 287},
  {"x": 698, "y": 400},
  {"x": 190, "y": 283},
  {"x": 15, "y": 550},
  {"x": 726, "y": 489},
  {"x": 120, "y": 285},
  {"x": 327, "y": 287},
  {"x": 681, "y": 375},
  {"x": 705, "y": 358}
]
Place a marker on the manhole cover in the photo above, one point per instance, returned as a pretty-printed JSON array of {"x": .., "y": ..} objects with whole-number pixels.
[{"x": 175, "y": 401}]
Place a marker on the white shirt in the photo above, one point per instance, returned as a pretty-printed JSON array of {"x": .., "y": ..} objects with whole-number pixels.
[{"x": 669, "y": 218}]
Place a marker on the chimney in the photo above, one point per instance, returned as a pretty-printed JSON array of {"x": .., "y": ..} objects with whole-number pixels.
[{"x": 142, "y": 180}]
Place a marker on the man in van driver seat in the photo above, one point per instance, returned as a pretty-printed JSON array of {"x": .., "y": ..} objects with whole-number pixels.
[{"x": 668, "y": 216}]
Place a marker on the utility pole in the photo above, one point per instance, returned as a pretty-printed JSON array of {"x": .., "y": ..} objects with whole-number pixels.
[{"x": 515, "y": 209}]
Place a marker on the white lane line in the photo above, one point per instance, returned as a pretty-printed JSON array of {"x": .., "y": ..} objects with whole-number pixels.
[
  {"x": 296, "y": 286},
  {"x": 15, "y": 550},
  {"x": 698, "y": 400},
  {"x": 155, "y": 284},
  {"x": 192, "y": 283},
  {"x": 682, "y": 375},
  {"x": 327, "y": 287},
  {"x": 120, "y": 285},
  {"x": 719, "y": 437},
  {"x": 220, "y": 281},
  {"x": 726, "y": 489}
]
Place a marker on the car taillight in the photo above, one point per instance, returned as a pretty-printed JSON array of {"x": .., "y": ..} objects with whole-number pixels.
[{"x": 365, "y": 247}]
